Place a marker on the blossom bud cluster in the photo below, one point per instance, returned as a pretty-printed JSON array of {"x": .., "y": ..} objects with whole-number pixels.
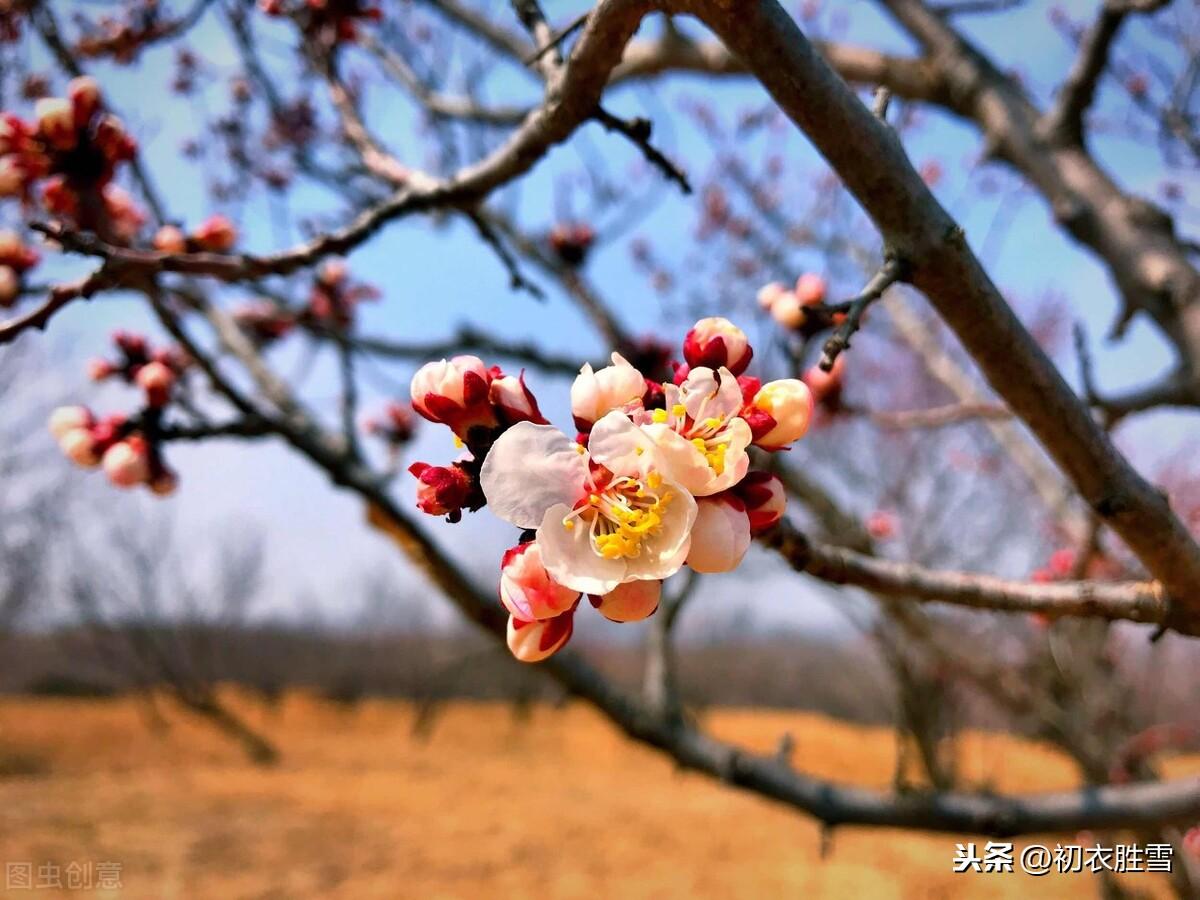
[
  {"x": 263, "y": 321},
  {"x": 156, "y": 372},
  {"x": 216, "y": 234},
  {"x": 657, "y": 478},
  {"x": 335, "y": 296},
  {"x": 115, "y": 444},
  {"x": 477, "y": 404},
  {"x": 395, "y": 427},
  {"x": 72, "y": 150},
  {"x": 329, "y": 21},
  {"x": 15, "y": 260}
]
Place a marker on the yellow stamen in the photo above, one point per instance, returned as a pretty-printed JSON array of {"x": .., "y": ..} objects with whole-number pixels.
[
  {"x": 458, "y": 442},
  {"x": 659, "y": 416},
  {"x": 679, "y": 410}
]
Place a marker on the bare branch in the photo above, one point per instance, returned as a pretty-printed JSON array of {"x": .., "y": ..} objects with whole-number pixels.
[
  {"x": 892, "y": 271},
  {"x": 1064, "y": 122},
  {"x": 638, "y": 131},
  {"x": 1141, "y": 602}
]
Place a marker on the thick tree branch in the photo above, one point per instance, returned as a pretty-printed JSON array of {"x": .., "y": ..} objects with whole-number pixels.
[{"x": 875, "y": 169}]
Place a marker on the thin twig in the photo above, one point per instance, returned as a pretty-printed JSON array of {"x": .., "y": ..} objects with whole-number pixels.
[
  {"x": 893, "y": 270},
  {"x": 638, "y": 131}
]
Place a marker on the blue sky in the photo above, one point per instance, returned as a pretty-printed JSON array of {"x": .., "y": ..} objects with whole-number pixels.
[{"x": 435, "y": 277}]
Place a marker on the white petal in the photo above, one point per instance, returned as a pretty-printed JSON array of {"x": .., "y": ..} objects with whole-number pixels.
[
  {"x": 737, "y": 461},
  {"x": 570, "y": 558},
  {"x": 615, "y": 443},
  {"x": 679, "y": 460},
  {"x": 665, "y": 552},
  {"x": 720, "y": 538},
  {"x": 529, "y": 469}
]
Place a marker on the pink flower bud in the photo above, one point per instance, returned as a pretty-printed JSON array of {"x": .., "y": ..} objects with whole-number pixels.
[
  {"x": 532, "y": 642},
  {"x": 69, "y": 418},
  {"x": 14, "y": 253},
  {"x": 58, "y": 196},
  {"x": 720, "y": 536},
  {"x": 1191, "y": 841},
  {"x": 127, "y": 462},
  {"x": 10, "y": 286},
  {"x": 825, "y": 386},
  {"x": 333, "y": 272},
  {"x": 12, "y": 177},
  {"x": 789, "y": 403},
  {"x": 454, "y": 393},
  {"x": 788, "y": 311},
  {"x": 216, "y": 233},
  {"x": 56, "y": 122},
  {"x": 810, "y": 289},
  {"x": 515, "y": 401},
  {"x": 881, "y": 525},
  {"x": 629, "y": 602},
  {"x": 441, "y": 490},
  {"x": 79, "y": 447},
  {"x": 717, "y": 342},
  {"x": 125, "y": 217},
  {"x": 1062, "y": 562},
  {"x": 112, "y": 140},
  {"x": 170, "y": 239},
  {"x": 527, "y": 591},
  {"x": 769, "y": 293},
  {"x": 765, "y": 499},
  {"x": 84, "y": 94},
  {"x": 156, "y": 379},
  {"x": 14, "y": 134}
]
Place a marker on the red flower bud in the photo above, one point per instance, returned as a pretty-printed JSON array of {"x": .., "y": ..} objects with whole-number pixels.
[
  {"x": 84, "y": 94},
  {"x": 10, "y": 286},
  {"x": 216, "y": 233},
  {"x": 127, "y": 462},
  {"x": 456, "y": 393},
  {"x": 156, "y": 379},
  {"x": 717, "y": 342},
  {"x": 56, "y": 122},
  {"x": 514, "y": 401},
  {"x": 527, "y": 590},
  {"x": 441, "y": 490},
  {"x": 170, "y": 239},
  {"x": 534, "y": 641},
  {"x": 765, "y": 500}
]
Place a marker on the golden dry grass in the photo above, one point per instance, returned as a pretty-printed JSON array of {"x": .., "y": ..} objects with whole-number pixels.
[{"x": 559, "y": 806}]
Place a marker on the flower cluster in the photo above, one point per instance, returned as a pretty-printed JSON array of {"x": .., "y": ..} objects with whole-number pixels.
[
  {"x": 115, "y": 443},
  {"x": 72, "y": 149},
  {"x": 327, "y": 21},
  {"x": 154, "y": 371},
  {"x": 796, "y": 309},
  {"x": 265, "y": 322},
  {"x": 216, "y": 234},
  {"x": 657, "y": 478},
  {"x": 15, "y": 260},
  {"x": 395, "y": 427},
  {"x": 128, "y": 448},
  {"x": 335, "y": 296}
]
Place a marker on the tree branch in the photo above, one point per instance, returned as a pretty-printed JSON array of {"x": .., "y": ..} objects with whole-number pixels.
[{"x": 1141, "y": 602}]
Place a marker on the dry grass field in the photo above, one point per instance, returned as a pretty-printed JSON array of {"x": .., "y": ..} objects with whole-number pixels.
[{"x": 555, "y": 806}]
